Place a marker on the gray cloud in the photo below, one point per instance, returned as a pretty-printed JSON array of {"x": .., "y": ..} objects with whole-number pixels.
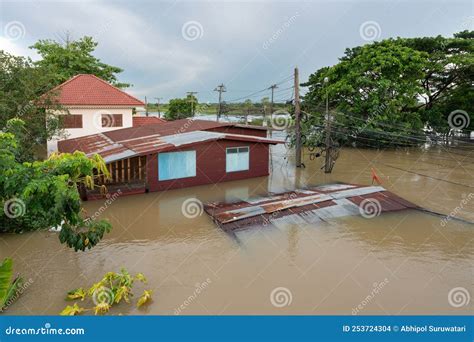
[{"x": 247, "y": 45}]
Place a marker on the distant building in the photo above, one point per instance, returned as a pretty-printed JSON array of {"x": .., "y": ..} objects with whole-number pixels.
[
  {"x": 91, "y": 106},
  {"x": 176, "y": 154}
]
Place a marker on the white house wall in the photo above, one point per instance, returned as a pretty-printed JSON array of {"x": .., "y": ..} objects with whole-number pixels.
[{"x": 91, "y": 123}]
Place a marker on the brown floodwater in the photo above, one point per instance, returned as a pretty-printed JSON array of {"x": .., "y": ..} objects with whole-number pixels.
[{"x": 397, "y": 263}]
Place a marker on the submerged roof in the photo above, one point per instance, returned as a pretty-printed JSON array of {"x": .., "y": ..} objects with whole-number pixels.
[
  {"x": 128, "y": 142},
  {"x": 308, "y": 206},
  {"x": 146, "y": 120},
  {"x": 86, "y": 90}
]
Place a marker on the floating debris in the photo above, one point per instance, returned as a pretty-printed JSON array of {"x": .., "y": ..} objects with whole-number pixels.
[{"x": 321, "y": 203}]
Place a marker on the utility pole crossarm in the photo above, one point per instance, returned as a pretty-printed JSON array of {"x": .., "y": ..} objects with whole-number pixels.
[{"x": 221, "y": 89}]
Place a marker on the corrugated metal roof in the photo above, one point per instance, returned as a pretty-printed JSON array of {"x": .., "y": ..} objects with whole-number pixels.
[
  {"x": 114, "y": 147},
  {"x": 312, "y": 205}
]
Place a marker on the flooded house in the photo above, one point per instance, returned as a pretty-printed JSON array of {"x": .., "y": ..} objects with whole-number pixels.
[
  {"x": 90, "y": 105},
  {"x": 176, "y": 154}
]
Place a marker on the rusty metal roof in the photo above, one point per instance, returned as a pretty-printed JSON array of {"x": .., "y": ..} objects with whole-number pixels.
[
  {"x": 125, "y": 143},
  {"x": 312, "y": 205}
]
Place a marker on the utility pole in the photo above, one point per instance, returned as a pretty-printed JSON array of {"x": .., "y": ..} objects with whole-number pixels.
[
  {"x": 297, "y": 119},
  {"x": 328, "y": 158},
  {"x": 146, "y": 107},
  {"x": 272, "y": 87},
  {"x": 221, "y": 89},
  {"x": 158, "y": 99},
  {"x": 191, "y": 95}
]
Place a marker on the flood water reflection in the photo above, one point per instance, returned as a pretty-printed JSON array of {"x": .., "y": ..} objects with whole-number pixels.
[{"x": 329, "y": 268}]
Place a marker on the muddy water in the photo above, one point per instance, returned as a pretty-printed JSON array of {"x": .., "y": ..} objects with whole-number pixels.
[{"x": 399, "y": 263}]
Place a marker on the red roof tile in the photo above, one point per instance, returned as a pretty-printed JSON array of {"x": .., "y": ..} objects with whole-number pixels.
[
  {"x": 146, "y": 120},
  {"x": 85, "y": 89}
]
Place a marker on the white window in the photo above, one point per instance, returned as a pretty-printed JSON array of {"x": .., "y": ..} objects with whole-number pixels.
[
  {"x": 237, "y": 159},
  {"x": 174, "y": 165}
]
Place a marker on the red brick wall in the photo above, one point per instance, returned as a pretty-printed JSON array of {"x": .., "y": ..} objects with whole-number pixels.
[{"x": 210, "y": 165}]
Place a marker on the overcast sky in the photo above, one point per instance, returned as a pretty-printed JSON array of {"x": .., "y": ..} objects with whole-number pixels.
[{"x": 170, "y": 47}]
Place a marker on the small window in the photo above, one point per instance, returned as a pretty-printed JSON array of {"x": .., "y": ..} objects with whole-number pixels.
[
  {"x": 111, "y": 120},
  {"x": 237, "y": 159},
  {"x": 174, "y": 165},
  {"x": 71, "y": 121}
]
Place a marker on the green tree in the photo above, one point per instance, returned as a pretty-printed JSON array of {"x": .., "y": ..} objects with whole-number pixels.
[
  {"x": 370, "y": 90},
  {"x": 181, "y": 108},
  {"x": 22, "y": 84},
  {"x": 447, "y": 77},
  {"x": 75, "y": 57},
  {"x": 44, "y": 194}
]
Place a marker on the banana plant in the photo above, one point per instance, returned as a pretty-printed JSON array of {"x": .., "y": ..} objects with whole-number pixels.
[{"x": 9, "y": 287}]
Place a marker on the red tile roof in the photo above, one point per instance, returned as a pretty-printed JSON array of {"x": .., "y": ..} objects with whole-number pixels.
[
  {"x": 146, "y": 120},
  {"x": 85, "y": 89}
]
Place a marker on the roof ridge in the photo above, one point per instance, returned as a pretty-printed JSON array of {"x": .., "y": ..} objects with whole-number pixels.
[
  {"x": 110, "y": 85},
  {"x": 95, "y": 77}
]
